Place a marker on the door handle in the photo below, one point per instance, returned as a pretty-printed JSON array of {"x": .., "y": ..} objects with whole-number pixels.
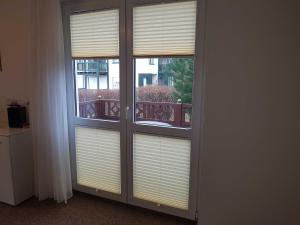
[{"x": 127, "y": 112}]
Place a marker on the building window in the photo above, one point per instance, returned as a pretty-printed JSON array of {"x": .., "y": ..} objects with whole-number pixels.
[
  {"x": 92, "y": 82},
  {"x": 145, "y": 79},
  {"x": 151, "y": 61},
  {"x": 80, "y": 66}
]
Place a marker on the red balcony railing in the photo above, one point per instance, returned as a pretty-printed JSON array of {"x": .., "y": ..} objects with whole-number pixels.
[{"x": 174, "y": 114}]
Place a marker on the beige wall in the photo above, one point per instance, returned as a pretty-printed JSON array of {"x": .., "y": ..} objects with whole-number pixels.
[
  {"x": 15, "y": 80},
  {"x": 250, "y": 157}
]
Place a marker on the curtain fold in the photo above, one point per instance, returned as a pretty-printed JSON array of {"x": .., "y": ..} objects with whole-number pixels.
[{"x": 49, "y": 108}]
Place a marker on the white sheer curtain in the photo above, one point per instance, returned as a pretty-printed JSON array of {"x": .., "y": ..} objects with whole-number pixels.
[{"x": 49, "y": 108}]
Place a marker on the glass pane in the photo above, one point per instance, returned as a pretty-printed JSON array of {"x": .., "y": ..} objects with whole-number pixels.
[
  {"x": 98, "y": 159},
  {"x": 95, "y": 34},
  {"x": 164, "y": 29},
  {"x": 97, "y": 88},
  {"x": 163, "y": 91},
  {"x": 161, "y": 170}
]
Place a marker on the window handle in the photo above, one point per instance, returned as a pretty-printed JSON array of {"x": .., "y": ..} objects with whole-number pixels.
[{"x": 127, "y": 112}]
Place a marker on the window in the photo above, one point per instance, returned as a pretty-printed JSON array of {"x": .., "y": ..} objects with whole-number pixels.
[
  {"x": 163, "y": 94},
  {"x": 161, "y": 169},
  {"x": 94, "y": 37},
  {"x": 101, "y": 25},
  {"x": 145, "y": 79},
  {"x": 98, "y": 162},
  {"x": 100, "y": 72},
  {"x": 92, "y": 82},
  {"x": 151, "y": 61},
  {"x": 163, "y": 99},
  {"x": 80, "y": 66},
  {"x": 164, "y": 29},
  {"x": 160, "y": 30}
]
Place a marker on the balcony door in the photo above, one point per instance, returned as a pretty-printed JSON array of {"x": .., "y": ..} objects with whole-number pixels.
[
  {"x": 95, "y": 64},
  {"x": 162, "y": 82},
  {"x": 134, "y": 101}
]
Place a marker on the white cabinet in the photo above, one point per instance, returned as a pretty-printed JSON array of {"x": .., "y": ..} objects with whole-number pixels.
[{"x": 16, "y": 166}]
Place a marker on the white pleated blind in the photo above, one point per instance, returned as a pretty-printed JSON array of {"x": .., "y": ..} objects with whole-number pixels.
[
  {"x": 164, "y": 29},
  {"x": 161, "y": 170},
  {"x": 95, "y": 34},
  {"x": 98, "y": 159}
]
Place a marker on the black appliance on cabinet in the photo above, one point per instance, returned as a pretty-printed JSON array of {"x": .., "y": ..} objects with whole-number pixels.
[{"x": 16, "y": 116}]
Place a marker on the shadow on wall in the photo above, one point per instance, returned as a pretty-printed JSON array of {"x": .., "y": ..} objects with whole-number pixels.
[{"x": 3, "y": 117}]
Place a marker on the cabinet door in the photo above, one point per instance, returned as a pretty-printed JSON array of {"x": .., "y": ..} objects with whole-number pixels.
[{"x": 6, "y": 185}]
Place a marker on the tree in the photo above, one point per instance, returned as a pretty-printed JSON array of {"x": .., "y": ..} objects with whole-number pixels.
[{"x": 181, "y": 71}]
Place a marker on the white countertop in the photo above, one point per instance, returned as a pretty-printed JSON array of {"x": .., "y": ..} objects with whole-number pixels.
[{"x": 12, "y": 131}]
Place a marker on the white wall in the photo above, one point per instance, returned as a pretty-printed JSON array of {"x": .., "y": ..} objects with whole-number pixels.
[
  {"x": 114, "y": 75},
  {"x": 143, "y": 66},
  {"x": 15, "y": 80},
  {"x": 250, "y": 160}
]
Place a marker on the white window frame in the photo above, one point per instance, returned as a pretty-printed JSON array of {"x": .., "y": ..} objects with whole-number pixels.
[
  {"x": 189, "y": 133},
  {"x": 127, "y": 85},
  {"x": 82, "y": 6}
]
